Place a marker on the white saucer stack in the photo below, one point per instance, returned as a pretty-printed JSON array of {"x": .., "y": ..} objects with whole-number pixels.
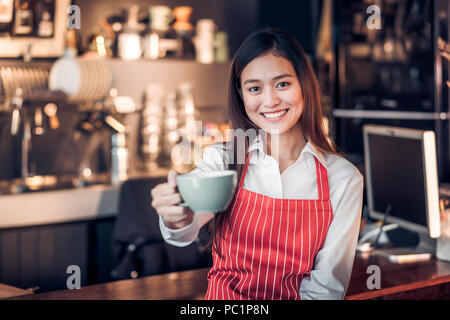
[{"x": 82, "y": 79}]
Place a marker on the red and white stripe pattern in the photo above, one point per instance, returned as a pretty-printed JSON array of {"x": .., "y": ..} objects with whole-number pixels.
[{"x": 269, "y": 244}]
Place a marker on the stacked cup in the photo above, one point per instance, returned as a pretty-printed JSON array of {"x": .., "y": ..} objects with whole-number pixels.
[
  {"x": 204, "y": 40},
  {"x": 82, "y": 79}
]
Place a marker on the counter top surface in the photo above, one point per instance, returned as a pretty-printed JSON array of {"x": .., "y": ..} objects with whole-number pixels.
[
  {"x": 10, "y": 291},
  {"x": 190, "y": 285},
  {"x": 396, "y": 279}
]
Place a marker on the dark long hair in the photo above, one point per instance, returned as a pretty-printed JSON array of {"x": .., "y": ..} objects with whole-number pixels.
[{"x": 282, "y": 44}]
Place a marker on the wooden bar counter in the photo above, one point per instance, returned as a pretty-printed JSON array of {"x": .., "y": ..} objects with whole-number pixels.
[{"x": 422, "y": 280}]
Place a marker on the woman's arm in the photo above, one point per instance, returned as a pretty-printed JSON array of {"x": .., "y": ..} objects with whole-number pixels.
[
  {"x": 334, "y": 262},
  {"x": 212, "y": 160}
]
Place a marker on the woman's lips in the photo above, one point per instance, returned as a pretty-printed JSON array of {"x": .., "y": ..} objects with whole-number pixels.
[{"x": 275, "y": 116}]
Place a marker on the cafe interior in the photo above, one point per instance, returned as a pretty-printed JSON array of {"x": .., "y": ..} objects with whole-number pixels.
[{"x": 95, "y": 95}]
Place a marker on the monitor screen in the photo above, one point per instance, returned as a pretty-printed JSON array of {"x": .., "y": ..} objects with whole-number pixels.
[
  {"x": 397, "y": 177},
  {"x": 401, "y": 174}
]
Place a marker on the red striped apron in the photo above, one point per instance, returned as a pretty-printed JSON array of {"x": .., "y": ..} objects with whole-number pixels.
[{"x": 269, "y": 244}]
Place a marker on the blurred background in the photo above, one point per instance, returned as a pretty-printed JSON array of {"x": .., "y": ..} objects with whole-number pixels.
[{"x": 94, "y": 94}]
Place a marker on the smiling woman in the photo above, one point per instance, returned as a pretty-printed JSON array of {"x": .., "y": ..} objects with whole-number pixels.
[
  {"x": 271, "y": 74},
  {"x": 272, "y": 101},
  {"x": 291, "y": 229}
]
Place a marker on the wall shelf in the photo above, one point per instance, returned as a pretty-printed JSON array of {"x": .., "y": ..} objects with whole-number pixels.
[
  {"x": 391, "y": 115},
  {"x": 209, "y": 81}
]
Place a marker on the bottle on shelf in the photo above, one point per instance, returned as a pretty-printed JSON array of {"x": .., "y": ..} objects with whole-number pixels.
[
  {"x": 119, "y": 158},
  {"x": 154, "y": 42},
  {"x": 152, "y": 125},
  {"x": 44, "y": 16},
  {"x": 23, "y": 18},
  {"x": 204, "y": 40},
  {"x": 130, "y": 47},
  {"x": 184, "y": 31},
  {"x": 187, "y": 112},
  {"x": 170, "y": 132},
  {"x": 188, "y": 151},
  {"x": 6, "y": 16},
  {"x": 160, "y": 18},
  {"x": 222, "y": 52}
]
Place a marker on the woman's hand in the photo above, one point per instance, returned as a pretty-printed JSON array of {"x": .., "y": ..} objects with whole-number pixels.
[{"x": 165, "y": 199}]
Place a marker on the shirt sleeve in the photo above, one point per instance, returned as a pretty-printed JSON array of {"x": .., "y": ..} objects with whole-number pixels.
[
  {"x": 333, "y": 264},
  {"x": 213, "y": 159},
  {"x": 184, "y": 236}
]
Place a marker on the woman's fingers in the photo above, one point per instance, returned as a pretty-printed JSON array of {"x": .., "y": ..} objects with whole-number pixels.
[
  {"x": 162, "y": 189},
  {"x": 166, "y": 193},
  {"x": 166, "y": 200},
  {"x": 174, "y": 214},
  {"x": 171, "y": 178}
]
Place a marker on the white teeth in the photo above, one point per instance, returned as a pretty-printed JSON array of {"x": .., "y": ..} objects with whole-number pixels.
[{"x": 274, "y": 115}]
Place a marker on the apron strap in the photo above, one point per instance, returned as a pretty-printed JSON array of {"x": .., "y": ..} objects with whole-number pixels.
[
  {"x": 241, "y": 182},
  {"x": 321, "y": 176},
  {"x": 322, "y": 181}
]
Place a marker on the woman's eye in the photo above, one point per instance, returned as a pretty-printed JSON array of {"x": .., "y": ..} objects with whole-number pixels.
[
  {"x": 254, "y": 89},
  {"x": 282, "y": 84}
]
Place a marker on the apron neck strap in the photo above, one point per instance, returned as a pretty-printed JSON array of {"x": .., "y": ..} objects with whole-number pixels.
[
  {"x": 322, "y": 181},
  {"x": 244, "y": 173},
  {"x": 321, "y": 176}
]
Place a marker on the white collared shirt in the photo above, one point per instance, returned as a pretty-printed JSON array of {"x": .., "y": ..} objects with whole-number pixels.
[{"x": 333, "y": 264}]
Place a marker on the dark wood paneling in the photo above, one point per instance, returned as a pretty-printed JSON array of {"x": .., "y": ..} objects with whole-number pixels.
[
  {"x": 46, "y": 264},
  {"x": 28, "y": 257},
  {"x": 104, "y": 259},
  {"x": 39, "y": 256},
  {"x": 9, "y": 257},
  {"x": 71, "y": 249}
]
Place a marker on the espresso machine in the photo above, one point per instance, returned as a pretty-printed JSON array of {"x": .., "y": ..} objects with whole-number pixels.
[{"x": 58, "y": 139}]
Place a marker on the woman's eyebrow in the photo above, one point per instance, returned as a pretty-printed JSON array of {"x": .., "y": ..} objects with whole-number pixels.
[{"x": 285, "y": 75}]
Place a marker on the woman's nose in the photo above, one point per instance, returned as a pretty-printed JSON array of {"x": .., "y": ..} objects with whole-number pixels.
[{"x": 271, "y": 98}]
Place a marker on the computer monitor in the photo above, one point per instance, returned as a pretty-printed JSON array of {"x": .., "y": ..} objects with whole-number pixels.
[{"x": 401, "y": 174}]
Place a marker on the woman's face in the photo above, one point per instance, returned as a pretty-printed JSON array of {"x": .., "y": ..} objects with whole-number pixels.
[{"x": 272, "y": 94}]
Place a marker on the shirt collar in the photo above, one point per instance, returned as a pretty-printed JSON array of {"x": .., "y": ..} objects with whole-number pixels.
[{"x": 309, "y": 148}]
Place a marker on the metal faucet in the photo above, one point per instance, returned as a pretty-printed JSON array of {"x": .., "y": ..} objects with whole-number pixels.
[
  {"x": 17, "y": 103},
  {"x": 19, "y": 113}
]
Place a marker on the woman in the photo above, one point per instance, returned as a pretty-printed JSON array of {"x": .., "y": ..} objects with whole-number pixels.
[{"x": 292, "y": 227}]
